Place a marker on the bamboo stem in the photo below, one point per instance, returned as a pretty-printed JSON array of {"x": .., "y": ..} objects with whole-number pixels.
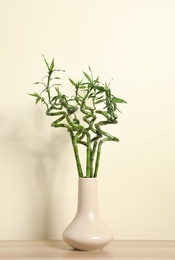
[{"x": 77, "y": 158}]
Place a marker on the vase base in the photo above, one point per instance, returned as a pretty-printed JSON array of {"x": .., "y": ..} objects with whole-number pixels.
[{"x": 87, "y": 245}]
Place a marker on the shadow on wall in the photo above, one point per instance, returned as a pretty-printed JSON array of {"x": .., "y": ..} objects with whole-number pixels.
[{"x": 41, "y": 148}]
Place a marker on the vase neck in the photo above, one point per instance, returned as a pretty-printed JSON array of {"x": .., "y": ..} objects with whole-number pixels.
[{"x": 87, "y": 194}]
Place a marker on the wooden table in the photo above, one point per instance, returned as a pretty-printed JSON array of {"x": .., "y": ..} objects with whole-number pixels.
[{"x": 118, "y": 250}]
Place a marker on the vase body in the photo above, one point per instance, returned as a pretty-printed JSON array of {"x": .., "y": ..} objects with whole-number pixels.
[{"x": 87, "y": 231}]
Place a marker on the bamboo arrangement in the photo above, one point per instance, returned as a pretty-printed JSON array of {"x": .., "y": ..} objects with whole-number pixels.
[{"x": 83, "y": 115}]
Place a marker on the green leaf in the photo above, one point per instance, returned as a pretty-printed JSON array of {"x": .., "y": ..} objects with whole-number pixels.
[
  {"x": 37, "y": 96},
  {"x": 56, "y": 84},
  {"x": 46, "y": 62},
  {"x": 89, "y": 69},
  {"x": 34, "y": 94},
  {"x": 100, "y": 101},
  {"x": 87, "y": 76},
  {"x": 99, "y": 88},
  {"x": 40, "y": 83},
  {"x": 82, "y": 87},
  {"x": 118, "y": 100},
  {"x": 73, "y": 83},
  {"x": 59, "y": 70},
  {"x": 57, "y": 90},
  {"x": 91, "y": 95},
  {"x": 37, "y": 100},
  {"x": 96, "y": 80},
  {"x": 52, "y": 65},
  {"x": 99, "y": 97},
  {"x": 54, "y": 98},
  {"x": 108, "y": 92}
]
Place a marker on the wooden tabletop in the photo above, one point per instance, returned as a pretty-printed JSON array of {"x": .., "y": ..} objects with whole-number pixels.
[{"x": 118, "y": 250}]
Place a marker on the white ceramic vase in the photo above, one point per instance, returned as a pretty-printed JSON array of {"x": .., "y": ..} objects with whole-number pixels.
[{"x": 87, "y": 231}]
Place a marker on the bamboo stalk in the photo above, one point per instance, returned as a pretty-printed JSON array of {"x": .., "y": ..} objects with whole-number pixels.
[{"x": 77, "y": 158}]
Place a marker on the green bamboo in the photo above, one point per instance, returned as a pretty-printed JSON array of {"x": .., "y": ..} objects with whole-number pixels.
[
  {"x": 88, "y": 157},
  {"x": 93, "y": 151},
  {"x": 102, "y": 132},
  {"x": 98, "y": 159},
  {"x": 89, "y": 94},
  {"x": 77, "y": 158}
]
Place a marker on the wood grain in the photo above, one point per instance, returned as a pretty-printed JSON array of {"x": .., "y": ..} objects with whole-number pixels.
[{"x": 118, "y": 250}]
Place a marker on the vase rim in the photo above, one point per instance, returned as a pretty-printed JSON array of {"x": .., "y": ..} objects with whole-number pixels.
[{"x": 87, "y": 178}]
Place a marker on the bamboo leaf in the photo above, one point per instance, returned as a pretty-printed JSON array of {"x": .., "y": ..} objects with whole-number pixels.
[
  {"x": 99, "y": 97},
  {"x": 46, "y": 62},
  {"x": 37, "y": 96},
  {"x": 59, "y": 70},
  {"x": 57, "y": 90},
  {"x": 108, "y": 92},
  {"x": 73, "y": 83},
  {"x": 91, "y": 95},
  {"x": 100, "y": 101},
  {"x": 99, "y": 88},
  {"x": 87, "y": 76},
  {"x": 89, "y": 69},
  {"x": 52, "y": 65},
  {"x": 54, "y": 98},
  {"x": 96, "y": 80},
  {"x": 39, "y": 83},
  {"x": 37, "y": 100},
  {"x": 56, "y": 84},
  {"x": 34, "y": 94},
  {"x": 118, "y": 100}
]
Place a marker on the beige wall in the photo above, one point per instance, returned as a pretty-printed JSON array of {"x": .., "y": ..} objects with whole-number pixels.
[{"x": 132, "y": 41}]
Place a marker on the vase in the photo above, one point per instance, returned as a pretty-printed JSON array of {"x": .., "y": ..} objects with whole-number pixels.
[{"x": 87, "y": 231}]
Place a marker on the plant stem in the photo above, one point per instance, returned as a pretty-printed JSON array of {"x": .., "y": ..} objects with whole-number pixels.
[
  {"x": 88, "y": 155},
  {"x": 47, "y": 88},
  {"x": 98, "y": 158},
  {"x": 76, "y": 153},
  {"x": 92, "y": 155}
]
